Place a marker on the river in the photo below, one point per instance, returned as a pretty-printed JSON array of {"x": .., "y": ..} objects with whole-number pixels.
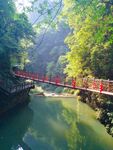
[{"x": 53, "y": 124}]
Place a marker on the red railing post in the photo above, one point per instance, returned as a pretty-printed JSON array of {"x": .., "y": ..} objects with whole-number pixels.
[
  {"x": 59, "y": 79},
  {"x": 56, "y": 80},
  {"x": 73, "y": 83},
  {"x": 46, "y": 78},
  {"x": 101, "y": 86}
]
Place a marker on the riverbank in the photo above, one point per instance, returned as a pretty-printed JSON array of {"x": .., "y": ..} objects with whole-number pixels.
[
  {"x": 52, "y": 94},
  {"x": 8, "y": 102},
  {"x": 40, "y": 92},
  {"x": 103, "y": 106}
]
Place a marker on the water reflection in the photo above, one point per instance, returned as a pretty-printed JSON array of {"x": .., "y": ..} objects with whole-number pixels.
[
  {"x": 13, "y": 126},
  {"x": 53, "y": 124},
  {"x": 47, "y": 128},
  {"x": 56, "y": 126}
]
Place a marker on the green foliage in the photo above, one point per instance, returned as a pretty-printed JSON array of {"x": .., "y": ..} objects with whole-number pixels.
[
  {"x": 46, "y": 59},
  {"x": 46, "y": 13},
  {"x": 14, "y": 30},
  {"x": 91, "y": 39},
  {"x": 58, "y": 90}
]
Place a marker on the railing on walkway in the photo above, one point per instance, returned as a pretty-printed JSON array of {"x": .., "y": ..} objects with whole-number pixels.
[
  {"x": 20, "y": 87},
  {"x": 16, "y": 88},
  {"x": 88, "y": 84}
]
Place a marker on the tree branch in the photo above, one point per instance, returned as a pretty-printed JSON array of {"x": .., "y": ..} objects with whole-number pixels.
[{"x": 54, "y": 17}]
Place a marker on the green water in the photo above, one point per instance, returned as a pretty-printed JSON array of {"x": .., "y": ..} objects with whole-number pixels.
[{"x": 53, "y": 124}]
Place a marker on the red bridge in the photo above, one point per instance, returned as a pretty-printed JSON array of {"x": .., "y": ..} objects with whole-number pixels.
[{"x": 87, "y": 84}]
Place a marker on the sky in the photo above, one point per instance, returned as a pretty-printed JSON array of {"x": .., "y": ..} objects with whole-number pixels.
[
  {"x": 32, "y": 16},
  {"x": 20, "y": 4}
]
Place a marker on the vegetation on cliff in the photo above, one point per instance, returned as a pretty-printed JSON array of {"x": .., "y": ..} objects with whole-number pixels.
[
  {"x": 91, "y": 39},
  {"x": 16, "y": 35},
  {"x": 91, "y": 49}
]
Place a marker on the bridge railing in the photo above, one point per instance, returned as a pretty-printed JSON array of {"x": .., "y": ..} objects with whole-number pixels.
[
  {"x": 15, "y": 88},
  {"x": 84, "y": 83},
  {"x": 20, "y": 87}
]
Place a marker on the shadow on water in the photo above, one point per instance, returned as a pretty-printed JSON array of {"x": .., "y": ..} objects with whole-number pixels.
[
  {"x": 46, "y": 131},
  {"x": 13, "y": 126},
  {"x": 53, "y": 124},
  {"x": 55, "y": 127}
]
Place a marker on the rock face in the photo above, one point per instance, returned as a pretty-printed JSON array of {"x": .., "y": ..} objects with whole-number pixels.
[
  {"x": 103, "y": 105},
  {"x": 10, "y": 101}
]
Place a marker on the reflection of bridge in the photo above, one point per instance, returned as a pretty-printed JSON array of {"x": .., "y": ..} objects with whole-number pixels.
[{"x": 86, "y": 84}]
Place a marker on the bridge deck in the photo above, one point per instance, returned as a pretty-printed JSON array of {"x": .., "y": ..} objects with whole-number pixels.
[{"x": 93, "y": 85}]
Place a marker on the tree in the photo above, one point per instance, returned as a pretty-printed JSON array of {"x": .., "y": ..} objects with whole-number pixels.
[
  {"x": 90, "y": 40},
  {"x": 45, "y": 59},
  {"x": 14, "y": 29}
]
